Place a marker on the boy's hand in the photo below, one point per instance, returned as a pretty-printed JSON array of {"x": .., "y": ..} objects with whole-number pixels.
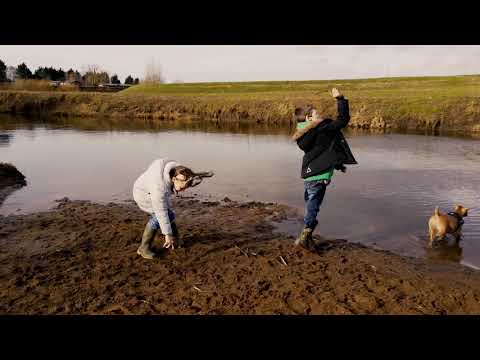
[{"x": 336, "y": 93}]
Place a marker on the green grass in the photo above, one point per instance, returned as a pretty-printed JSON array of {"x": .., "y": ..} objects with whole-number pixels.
[
  {"x": 427, "y": 103},
  {"x": 421, "y": 103},
  {"x": 447, "y": 86},
  {"x": 446, "y": 102}
]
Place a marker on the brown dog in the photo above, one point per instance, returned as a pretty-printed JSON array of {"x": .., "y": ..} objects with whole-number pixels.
[{"x": 441, "y": 224}]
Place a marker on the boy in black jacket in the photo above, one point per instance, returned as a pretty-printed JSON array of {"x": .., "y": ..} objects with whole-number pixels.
[{"x": 325, "y": 150}]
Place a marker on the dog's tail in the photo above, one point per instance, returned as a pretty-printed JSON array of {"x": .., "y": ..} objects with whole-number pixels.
[{"x": 437, "y": 211}]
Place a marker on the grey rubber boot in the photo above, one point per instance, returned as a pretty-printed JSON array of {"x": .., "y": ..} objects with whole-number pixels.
[
  {"x": 144, "y": 250},
  {"x": 176, "y": 234},
  {"x": 305, "y": 239}
]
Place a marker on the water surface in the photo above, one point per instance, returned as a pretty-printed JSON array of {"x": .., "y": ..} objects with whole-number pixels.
[{"x": 385, "y": 200}]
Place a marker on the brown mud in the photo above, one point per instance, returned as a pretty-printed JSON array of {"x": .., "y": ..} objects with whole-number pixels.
[{"x": 80, "y": 258}]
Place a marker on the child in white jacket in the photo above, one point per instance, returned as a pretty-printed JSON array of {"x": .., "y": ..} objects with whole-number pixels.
[{"x": 152, "y": 192}]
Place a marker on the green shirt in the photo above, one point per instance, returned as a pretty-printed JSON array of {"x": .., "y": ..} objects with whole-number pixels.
[{"x": 323, "y": 176}]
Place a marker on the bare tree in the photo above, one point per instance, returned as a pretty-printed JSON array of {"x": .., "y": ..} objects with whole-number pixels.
[
  {"x": 153, "y": 73},
  {"x": 94, "y": 75}
]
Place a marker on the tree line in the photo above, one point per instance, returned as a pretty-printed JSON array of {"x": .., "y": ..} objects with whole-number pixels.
[{"x": 92, "y": 76}]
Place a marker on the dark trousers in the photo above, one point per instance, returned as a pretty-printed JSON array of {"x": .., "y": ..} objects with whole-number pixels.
[
  {"x": 153, "y": 222},
  {"x": 314, "y": 194}
]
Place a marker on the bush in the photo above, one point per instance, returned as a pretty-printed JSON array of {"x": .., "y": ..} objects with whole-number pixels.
[
  {"x": 68, "y": 87},
  {"x": 37, "y": 85},
  {"x": 31, "y": 85}
]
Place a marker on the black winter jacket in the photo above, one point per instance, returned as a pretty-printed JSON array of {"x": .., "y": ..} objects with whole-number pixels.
[{"x": 324, "y": 145}]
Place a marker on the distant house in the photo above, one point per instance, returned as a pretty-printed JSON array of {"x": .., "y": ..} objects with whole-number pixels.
[
  {"x": 75, "y": 82},
  {"x": 73, "y": 77},
  {"x": 55, "y": 83},
  {"x": 112, "y": 87},
  {"x": 11, "y": 73}
]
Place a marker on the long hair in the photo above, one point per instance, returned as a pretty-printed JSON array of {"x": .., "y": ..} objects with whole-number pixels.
[
  {"x": 182, "y": 170},
  {"x": 192, "y": 178}
]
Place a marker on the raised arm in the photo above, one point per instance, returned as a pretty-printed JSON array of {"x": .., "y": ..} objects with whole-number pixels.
[{"x": 343, "y": 116}]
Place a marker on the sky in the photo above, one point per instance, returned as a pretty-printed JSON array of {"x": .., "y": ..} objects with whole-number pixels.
[{"x": 205, "y": 63}]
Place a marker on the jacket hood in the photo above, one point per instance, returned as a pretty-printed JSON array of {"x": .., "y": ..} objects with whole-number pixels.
[{"x": 300, "y": 132}]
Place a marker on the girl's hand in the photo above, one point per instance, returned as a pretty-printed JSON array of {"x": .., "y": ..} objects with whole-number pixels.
[{"x": 170, "y": 242}]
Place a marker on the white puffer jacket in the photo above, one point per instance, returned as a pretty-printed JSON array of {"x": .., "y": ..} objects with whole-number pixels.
[{"x": 152, "y": 191}]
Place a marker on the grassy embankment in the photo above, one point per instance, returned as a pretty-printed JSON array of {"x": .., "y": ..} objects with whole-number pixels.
[{"x": 417, "y": 103}]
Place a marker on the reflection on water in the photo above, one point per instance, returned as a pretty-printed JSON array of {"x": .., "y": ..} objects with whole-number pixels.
[
  {"x": 144, "y": 125},
  {"x": 445, "y": 250},
  {"x": 384, "y": 201}
]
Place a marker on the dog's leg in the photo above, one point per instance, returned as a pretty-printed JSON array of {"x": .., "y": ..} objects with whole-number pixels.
[
  {"x": 431, "y": 234},
  {"x": 458, "y": 236}
]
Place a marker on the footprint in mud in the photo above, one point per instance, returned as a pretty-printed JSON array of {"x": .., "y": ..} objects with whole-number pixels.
[{"x": 117, "y": 309}]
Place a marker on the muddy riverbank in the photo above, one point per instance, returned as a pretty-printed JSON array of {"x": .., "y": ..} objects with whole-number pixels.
[{"x": 80, "y": 258}]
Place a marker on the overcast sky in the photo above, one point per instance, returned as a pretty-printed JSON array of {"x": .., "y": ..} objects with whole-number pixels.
[{"x": 250, "y": 63}]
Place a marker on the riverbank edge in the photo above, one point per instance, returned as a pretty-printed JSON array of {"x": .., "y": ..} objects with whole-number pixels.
[{"x": 454, "y": 115}]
